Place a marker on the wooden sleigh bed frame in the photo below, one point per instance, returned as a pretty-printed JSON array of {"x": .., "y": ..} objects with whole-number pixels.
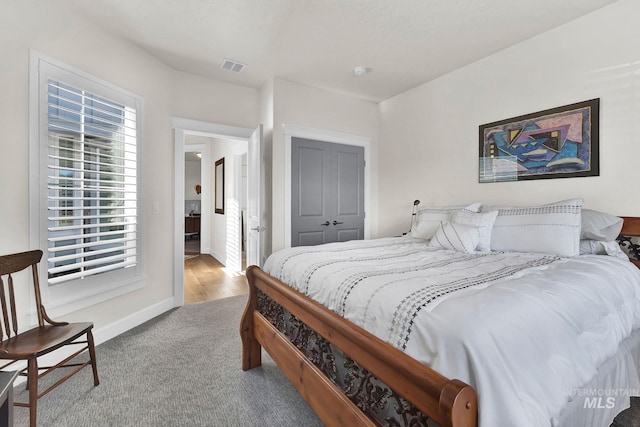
[{"x": 448, "y": 402}]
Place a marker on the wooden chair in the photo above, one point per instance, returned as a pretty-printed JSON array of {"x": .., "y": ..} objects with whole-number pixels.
[{"x": 40, "y": 340}]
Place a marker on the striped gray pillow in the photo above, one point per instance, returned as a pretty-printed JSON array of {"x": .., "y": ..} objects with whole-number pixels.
[
  {"x": 456, "y": 237},
  {"x": 483, "y": 220}
]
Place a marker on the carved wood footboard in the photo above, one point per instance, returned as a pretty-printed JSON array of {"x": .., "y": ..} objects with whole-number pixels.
[{"x": 450, "y": 403}]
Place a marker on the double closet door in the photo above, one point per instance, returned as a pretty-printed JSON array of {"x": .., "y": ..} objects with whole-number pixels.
[{"x": 327, "y": 192}]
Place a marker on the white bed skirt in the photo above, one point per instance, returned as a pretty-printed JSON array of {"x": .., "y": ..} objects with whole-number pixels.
[{"x": 608, "y": 393}]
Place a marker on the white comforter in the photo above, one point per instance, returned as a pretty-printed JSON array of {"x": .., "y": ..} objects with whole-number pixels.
[{"x": 522, "y": 329}]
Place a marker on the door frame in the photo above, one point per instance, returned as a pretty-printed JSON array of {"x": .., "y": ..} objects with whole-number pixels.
[
  {"x": 183, "y": 127},
  {"x": 293, "y": 131}
]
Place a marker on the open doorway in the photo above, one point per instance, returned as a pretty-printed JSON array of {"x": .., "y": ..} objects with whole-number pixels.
[
  {"x": 217, "y": 270},
  {"x": 214, "y": 255}
]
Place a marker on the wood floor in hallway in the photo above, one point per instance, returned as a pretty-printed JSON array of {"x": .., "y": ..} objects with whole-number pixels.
[{"x": 205, "y": 280}]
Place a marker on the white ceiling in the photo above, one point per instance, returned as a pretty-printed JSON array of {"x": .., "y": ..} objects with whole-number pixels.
[{"x": 319, "y": 42}]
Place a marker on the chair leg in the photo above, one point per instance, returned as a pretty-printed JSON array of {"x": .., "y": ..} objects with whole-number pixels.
[
  {"x": 32, "y": 383},
  {"x": 92, "y": 355}
]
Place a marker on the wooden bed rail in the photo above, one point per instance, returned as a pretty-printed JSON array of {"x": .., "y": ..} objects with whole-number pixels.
[
  {"x": 450, "y": 403},
  {"x": 631, "y": 228}
]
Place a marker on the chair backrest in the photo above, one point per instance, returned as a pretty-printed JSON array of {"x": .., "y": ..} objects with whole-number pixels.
[{"x": 10, "y": 264}]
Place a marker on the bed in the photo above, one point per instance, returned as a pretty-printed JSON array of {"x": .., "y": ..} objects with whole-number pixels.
[{"x": 357, "y": 365}]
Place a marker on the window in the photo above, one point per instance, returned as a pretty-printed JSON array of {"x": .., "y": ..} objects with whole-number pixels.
[{"x": 85, "y": 151}]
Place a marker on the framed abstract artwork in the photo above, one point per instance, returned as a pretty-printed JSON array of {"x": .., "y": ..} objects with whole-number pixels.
[{"x": 560, "y": 142}]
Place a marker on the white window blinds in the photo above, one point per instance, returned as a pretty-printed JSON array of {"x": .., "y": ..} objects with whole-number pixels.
[{"x": 92, "y": 192}]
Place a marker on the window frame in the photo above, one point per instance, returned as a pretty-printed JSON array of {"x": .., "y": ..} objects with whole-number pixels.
[{"x": 76, "y": 294}]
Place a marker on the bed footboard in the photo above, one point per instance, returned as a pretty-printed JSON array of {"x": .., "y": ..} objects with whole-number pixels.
[{"x": 450, "y": 403}]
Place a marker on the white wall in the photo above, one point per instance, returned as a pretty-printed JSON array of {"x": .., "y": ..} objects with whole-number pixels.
[
  {"x": 225, "y": 228},
  {"x": 429, "y": 135},
  {"x": 58, "y": 33},
  {"x": 300, "y": 105},
  {"x": 191, "y": 179},
  {"x": 198, "y": 98}
]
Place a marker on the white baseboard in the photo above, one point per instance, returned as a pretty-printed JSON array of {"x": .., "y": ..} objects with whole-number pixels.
[
  {"x": 116, "y": 328},
  {"x": 222, "y": 259},
  {"x": 102, "y": 335}
]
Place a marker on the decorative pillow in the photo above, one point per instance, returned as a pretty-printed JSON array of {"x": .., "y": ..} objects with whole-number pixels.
[
  {"x": 428, "y": 219},
  {"x": 482, "y": 220},
  {"x": 456, "y": 237},
  {"x": 550, "y": 229},
  {"x": 599, "y": 247},
  {"x": 601, "y": 226}
]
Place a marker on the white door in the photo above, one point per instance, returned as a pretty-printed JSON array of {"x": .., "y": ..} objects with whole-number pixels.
[{"x": 254, "y": 199}]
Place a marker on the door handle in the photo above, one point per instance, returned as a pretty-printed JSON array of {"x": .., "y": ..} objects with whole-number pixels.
[
  {"x": 336, "y": 222},
  {"x": 326, "y": 223}
]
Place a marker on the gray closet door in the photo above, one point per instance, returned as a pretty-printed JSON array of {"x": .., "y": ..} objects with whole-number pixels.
[{"x": 327, "y": 192}]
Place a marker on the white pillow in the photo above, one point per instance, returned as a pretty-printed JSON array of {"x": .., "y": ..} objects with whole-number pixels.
[
  {"x": 428, "y": 219},
  {"x": 456, "y": 237},
  {"x": 482, "y": 220},
  {"x": 551, "y": 229},
  {"x": 599, "y": 247},
  {"x": 598, "y": 225}
]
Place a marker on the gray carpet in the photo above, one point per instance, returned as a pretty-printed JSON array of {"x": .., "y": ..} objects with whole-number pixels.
[
  {"x": 629, "y": 417},
  {"x": 182, "y": 368}
]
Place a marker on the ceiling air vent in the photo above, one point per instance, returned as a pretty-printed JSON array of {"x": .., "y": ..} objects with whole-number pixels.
[{"x": 231, "y": 65}]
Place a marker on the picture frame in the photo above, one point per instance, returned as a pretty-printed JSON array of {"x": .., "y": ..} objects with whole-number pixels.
[
  {"x": 561, "y": 142},
  {"x": 219, "y": 186}
]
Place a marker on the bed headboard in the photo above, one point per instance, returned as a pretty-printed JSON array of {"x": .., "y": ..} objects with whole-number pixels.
[{"x": 631, "y": 228}]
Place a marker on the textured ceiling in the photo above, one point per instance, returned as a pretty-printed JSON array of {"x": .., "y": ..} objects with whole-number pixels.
[{"x": 318, "y": 42}]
